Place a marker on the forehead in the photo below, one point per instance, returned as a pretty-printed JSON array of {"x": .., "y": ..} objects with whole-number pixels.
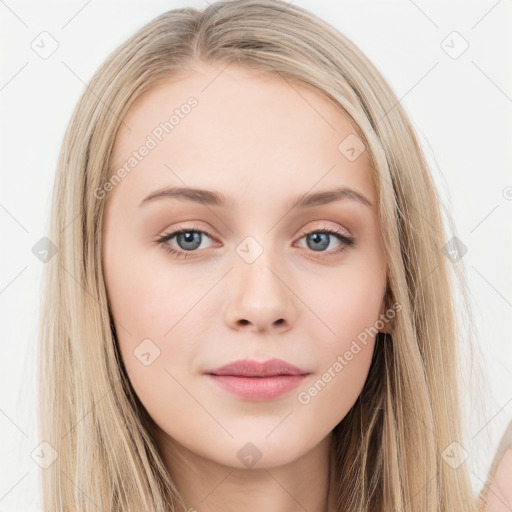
[{"x": 245, "y": 127}]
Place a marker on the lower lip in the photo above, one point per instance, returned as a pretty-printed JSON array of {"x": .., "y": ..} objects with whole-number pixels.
[{"x": 258, "y": 388}]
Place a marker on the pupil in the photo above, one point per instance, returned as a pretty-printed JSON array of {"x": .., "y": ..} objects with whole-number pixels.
[
  {"x": 189, "y": 237},
  {"x": 317, "y": 238}
]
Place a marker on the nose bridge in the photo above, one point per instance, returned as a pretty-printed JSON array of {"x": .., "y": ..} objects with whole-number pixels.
[
  {"x": 257, "y": 265},
  {"x": 259, "y": 294}
]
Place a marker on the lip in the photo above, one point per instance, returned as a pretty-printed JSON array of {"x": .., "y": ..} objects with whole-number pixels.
[
  {"x": 252, "y": 368},
  {"x": 258, "y": 381}
]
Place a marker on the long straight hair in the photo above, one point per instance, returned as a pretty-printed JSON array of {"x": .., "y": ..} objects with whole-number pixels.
[{"x": 389, "y": 450}]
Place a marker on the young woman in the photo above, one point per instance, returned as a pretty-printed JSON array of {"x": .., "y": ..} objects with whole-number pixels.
[{"x": 251, "y": 303}]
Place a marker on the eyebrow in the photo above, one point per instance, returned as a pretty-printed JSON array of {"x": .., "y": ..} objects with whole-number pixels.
[{"x": 212, "y": 198}]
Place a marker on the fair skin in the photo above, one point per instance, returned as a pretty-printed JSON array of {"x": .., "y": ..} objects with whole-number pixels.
[
  {"x": 261, "y": 143},
  {"x": 499, "y": 494},
  {"x": 498, "y": 487}
]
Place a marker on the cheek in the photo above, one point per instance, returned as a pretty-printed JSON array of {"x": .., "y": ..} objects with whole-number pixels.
[
  {"x": 328, "y": 396},
  {"x": 345, "y": 360},
  {"x": 149, "y": 299},
  {"x": 160, "y": 314},
  {"x": 348, "y": 305}
]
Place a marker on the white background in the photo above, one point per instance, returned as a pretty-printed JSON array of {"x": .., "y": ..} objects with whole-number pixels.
[{"x": 461, "y": 109}]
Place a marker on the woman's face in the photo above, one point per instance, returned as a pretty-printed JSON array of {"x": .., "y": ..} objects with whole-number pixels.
[{"x": 253, "y": 277}]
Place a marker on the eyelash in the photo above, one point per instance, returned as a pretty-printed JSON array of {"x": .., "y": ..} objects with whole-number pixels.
[{"x": 346, "y": 241}]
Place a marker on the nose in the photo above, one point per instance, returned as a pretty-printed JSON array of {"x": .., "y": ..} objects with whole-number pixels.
[{"x": 260, "y": 299}]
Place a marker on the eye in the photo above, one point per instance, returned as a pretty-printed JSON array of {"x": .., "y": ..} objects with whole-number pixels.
[
  {"x": 189, "y": 239},
  {"x": 320, "y": 239}
]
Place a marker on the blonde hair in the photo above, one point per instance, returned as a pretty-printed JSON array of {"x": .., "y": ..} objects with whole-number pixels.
[{"x": 388, "y": 450}]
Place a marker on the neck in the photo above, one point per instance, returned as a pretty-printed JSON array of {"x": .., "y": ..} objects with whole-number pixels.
[{"x": 206, "y": 485}]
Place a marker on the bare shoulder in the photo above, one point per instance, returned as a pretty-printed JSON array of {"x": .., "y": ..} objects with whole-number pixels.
[{"x": 496, "y": 495}]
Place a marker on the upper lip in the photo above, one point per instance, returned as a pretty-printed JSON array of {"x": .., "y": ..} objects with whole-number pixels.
[{"x": 251, "y": 368}]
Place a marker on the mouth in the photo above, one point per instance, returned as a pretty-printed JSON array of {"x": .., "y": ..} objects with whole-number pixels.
[
  {"x": 258, "y": 388},
  {"x": 257, "y": 381}
]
